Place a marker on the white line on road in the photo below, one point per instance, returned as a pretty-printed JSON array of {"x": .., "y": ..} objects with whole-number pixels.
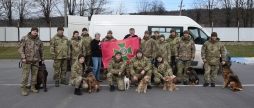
[{"x": 244, "y": 85}]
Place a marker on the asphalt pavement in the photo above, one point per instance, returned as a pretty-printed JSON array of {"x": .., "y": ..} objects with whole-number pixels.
[{"x": 63, "y": 97}]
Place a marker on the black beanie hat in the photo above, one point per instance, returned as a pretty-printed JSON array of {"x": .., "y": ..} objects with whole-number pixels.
[
  {"x": 118, "y": 53},
  {"x": 75, "y": 32},
  {"x": 139, "y": 51},
  {"x": 84, "y": 29},
  {"x": 34, "y": 28},
  {"x": 60, "y": 28},
  {"x": 81, "y": 55},
  {"x": 162, "y": 35}
]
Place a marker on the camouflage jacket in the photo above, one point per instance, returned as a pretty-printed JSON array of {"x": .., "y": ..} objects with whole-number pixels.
[
  {"x": 138, "y": 64},
  {"x": 59, "y": 47},
  {"x": 156, "y": 40},
  {"x": 164, "y": 50},
  {"x": 31, "y": 49},
  {"x": 115, "y": 66},
  {"x": 107, "y": 39},
  {"x": 185, "y": 49},
  {"x": 148, "y": 47},
  {"x": 212, "y": 50},
  {"x": 173, "y": 41},
  {"x": 76, "y": 70},
  {"x": 161, "y": 68},
  {"x": 76, "y": 48},
  {"x": 87, "y": 40}
]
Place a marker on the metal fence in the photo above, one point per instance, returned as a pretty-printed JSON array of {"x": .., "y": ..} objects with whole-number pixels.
[{"x": 11, "y": 34}]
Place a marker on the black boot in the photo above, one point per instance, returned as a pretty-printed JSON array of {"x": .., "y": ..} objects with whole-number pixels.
[
  {"x": 112, "y": 88},
  {"x": 178, "y": 82},
  {"x": 205, "y": 84},
  {"x": 57, "y": 83},
  {"x": 212, "y": 84},
  {"x": 149, "y": 87},
  {"x": 77, "y": 91},
  {"x": 185, "y": 83}
]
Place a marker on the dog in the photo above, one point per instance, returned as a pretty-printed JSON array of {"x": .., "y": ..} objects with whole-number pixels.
[
  {"x": 193, "y": 77},
  {"x": 93, "y": 84},
  {"x": 142, "y": 86},
  {"x": 168, "y": 83},
  {"x": 127, "y": 83},
  {"x": 42, "y": 77},
  {"x": 230, "y": 78}
]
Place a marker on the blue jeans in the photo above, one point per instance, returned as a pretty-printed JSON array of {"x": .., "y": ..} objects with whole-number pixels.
[{"x": 96, "y": 66}]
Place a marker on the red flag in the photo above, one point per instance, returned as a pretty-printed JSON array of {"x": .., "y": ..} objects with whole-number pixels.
[{"x": 127, "y": 47}]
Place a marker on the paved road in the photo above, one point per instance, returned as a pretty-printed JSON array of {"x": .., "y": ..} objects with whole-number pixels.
[{"x": 186, "y": 97}]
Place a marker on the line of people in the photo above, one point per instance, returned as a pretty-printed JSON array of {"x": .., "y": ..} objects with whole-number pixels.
[{"x": 157, "y": 56}]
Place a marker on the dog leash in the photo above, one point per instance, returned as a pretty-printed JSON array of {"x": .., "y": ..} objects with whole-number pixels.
[{"x": 20, "y": 64}]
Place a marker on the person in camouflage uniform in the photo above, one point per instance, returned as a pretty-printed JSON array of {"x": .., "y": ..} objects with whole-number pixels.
[
  {"x": 76, "y": 78},
  {"x": 30, "y": 50},
  {"x": 116, "y": 72},
  {"x": 59, "y": 50},
  {"x": 107, "y": 38},
  {"x": 164, "y": 49},
  {"x": 87, "y": 40},
  {"x": 139, "y": 67},
  {"x": 172, "y": 40},
  {"x": 161, "y": 69},
  {"x": 148, "y": 46},
  {"x": 185, "y": 54},
  {"x": 210, "y": 53},
  {"x": 156, "y": 36},
  {"x": 76, "y": 47}
]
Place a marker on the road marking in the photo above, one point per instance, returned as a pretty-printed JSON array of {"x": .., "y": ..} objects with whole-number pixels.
[{"x": 244, "y": 85}]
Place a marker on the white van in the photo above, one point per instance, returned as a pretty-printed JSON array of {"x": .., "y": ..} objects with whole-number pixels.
[{"x": 120, "y": 25}]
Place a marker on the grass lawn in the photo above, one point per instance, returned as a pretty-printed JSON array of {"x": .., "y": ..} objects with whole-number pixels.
[
  {"x": 240, "y": 51},
  {"x": 234, "y": 50},
  {"x": 12, "y": 53}
]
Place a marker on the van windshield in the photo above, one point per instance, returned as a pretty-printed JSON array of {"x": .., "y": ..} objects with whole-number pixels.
[{"x": 198, "y": 36}]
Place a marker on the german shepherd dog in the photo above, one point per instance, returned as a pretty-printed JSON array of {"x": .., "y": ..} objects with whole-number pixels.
[
  {"x": 93, "y": 84},
  {"x": 42, "y": 77},
  {"x": 193, "y": 77},
  {"x": 230, "y": 78}
]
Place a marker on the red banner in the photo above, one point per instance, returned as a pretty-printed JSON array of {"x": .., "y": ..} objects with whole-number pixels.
[{"x": 127, "y": 47}]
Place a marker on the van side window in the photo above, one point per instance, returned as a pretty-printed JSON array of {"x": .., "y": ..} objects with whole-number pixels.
[
  {"x": 198, "y": 36},
  {"x": 165, "y": 30}
]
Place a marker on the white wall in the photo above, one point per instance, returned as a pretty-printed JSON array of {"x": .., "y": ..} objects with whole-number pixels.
[{"x": 225, "y": 34}]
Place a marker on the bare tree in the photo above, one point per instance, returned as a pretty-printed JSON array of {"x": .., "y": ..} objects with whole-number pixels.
[
  {"x": 46, "y": 7},
  {"x": 157, "y": 7},
  {"x": 198, "y": 5},
  {"x": 227, "y": 5},
  {"x": 143, "y": 7},
  {"x": 121, "y": 9},
  {"x": 72, "y": 5},
  {"x": 96, "y": 7},
  {"x": 22, "y": 7},
  {"x": 210, "y": 4},
  {"x": 7, "y": 6},
  {"x": 82, "y": 8}
]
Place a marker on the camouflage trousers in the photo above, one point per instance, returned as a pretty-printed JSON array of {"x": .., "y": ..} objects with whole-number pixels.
[
  {"x": 182, "y": 66},
  {"x": 157, "y": 78},
  {"x": 118, "y": 79},
  {"x": 26, "y": 70},
  {"x": 210, "y": 72},
  {"x": 78, "y": 82},
  {"x": 60, "y": 64},
  {"x": 140, "y": 77}
]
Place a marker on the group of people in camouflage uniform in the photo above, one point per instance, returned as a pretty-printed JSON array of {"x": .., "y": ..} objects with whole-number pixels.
[{"x": 157, "y": 58}]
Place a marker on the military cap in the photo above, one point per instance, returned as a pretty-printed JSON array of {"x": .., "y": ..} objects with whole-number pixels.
[
  {"x": 34, "y": 28},
  {"x": 109, "y": 32},
  {"x": 186, "y": 32},
  {"x": 84, "y": 29},
  {"x": 60, "y": 28},
  {"x": 147, "y": 32},
  {"x": 172, "y": 30},
  {"x": 214, "y": 34}
]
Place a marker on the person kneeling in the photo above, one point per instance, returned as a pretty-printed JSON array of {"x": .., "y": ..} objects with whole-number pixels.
[
  {"x": 161, "y": 70},
  {"x": 116, "y": 68},
  {"x": 76, "y": 78}
]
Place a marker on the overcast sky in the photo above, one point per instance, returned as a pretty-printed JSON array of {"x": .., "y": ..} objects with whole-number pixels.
[{"x": 169, "y": 4}]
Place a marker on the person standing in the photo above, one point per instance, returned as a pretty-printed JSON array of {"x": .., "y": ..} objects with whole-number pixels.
[
  {"x": 86, "y": 40},
  {"x": 185, "y": 54},
  {"x": 156, "y": 36},
  {"x": 76, "y": 47},
  {"x": 132, "y": 33},
  {"x": 164, "y": 49},
  {"x": 148, "y": 46},
  {"x": 96, "y": 56},
  {"x": 59, "y": 50},
  {"x": 210, "y": 53},
  {"x": 172, "y": 40},
  {"x": 31, "y": 51}
]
